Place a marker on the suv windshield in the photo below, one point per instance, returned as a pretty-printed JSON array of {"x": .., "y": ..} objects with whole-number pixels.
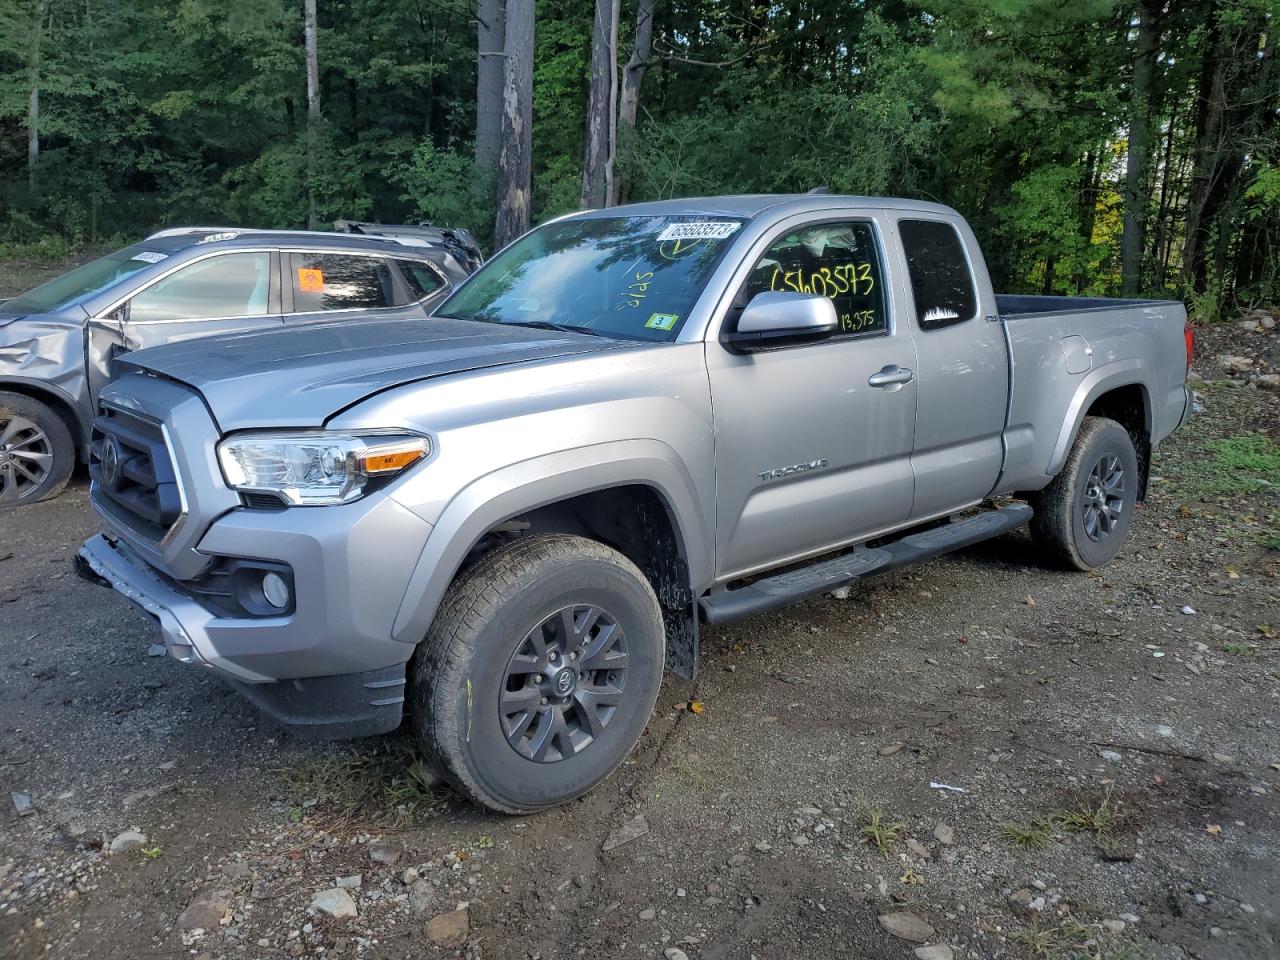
[
  {"x": 630, "y": 277},
  {"x": 84, "y": 281}
]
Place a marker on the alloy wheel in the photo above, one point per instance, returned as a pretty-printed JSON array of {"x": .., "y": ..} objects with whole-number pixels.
[
  {"x": 26, "y": 457},
  {"x": 563, "y": 684}
]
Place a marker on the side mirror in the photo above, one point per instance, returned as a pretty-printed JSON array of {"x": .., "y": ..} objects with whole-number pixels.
[{"x": 779, "y": 318}]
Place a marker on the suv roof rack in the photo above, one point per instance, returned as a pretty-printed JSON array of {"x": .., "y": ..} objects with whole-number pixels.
[{"x": 457, "y": 243}]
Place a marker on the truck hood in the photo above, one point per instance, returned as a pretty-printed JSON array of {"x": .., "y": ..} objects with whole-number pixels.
[{"x": 301, "y": 376}]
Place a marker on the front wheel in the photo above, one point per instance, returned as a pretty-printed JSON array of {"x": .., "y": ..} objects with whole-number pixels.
[
  {"x": 1083, "y": 516},
  {"x": 539, "y": 672},
  {"x": 37, "y": 453}
]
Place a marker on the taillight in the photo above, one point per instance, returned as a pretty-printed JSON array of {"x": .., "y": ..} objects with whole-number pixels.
[{"x": 1189, "y": 334}]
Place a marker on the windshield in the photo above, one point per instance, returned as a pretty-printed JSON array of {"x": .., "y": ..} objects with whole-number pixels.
[
  {"x": 630, "y": 277},
  {"x": 84, "y": 281}
]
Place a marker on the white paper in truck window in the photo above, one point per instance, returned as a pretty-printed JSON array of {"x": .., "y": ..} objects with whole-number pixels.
[
  {"x": 149, "y": 256},
  {"x": 699, "y": 230}
]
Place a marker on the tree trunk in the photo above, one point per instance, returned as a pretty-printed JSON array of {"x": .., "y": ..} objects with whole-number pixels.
[
  {"x": 632, "y": 77},
  {"x": 601, "y": 96},
  {"x": 1136, "y": 186},
  {"x": 1210, "y": 114},
  {"x": 33, "y": 102},
  {"x": 490, "y": 30},
  {"x": 515, "y": 158},
  {"x": 1088, "y": 211},
  {"x": 313, "y": 105}
]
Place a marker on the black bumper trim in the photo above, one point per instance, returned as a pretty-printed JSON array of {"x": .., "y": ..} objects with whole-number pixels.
[{"x": 336, "y": 707}]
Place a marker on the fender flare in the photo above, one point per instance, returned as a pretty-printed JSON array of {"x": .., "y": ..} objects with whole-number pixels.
[
  {"x": 80, "y": 424},
  {"x": 543, "y": 480},
  {"x": 1104, "y": 379}
]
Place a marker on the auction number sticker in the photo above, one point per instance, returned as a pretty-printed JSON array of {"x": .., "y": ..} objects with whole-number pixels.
[
  {"x": 310, "y": 280},
  {"x": 661, "y": 321},
  {"x": 699, "y": 230}
]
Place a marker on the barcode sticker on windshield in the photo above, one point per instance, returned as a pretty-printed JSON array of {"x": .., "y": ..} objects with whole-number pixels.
[
  {"x": 148, "y": 256},
  {"x": 699, "y": 230}
]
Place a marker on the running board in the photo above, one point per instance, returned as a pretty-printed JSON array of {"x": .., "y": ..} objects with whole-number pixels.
[{"x": 826, "y": 575}]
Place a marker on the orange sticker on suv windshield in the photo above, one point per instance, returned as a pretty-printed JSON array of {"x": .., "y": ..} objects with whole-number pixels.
[{"x": 310, "y": 280}]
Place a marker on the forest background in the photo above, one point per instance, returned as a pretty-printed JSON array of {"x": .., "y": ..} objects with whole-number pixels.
[{"x": 1099, "y": 147}]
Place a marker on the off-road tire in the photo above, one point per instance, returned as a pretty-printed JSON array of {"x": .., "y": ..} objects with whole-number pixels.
[
  {"x": 462, "y": 668},
  {"x": 57, "y": 440},
  {"x": 1058, "y": 528}
]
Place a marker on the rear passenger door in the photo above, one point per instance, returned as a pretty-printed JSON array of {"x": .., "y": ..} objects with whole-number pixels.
[
  {"x": 221, "y": 293},
  {"x": 962, "y": 366},
  {"x": 323, "y": 286}
]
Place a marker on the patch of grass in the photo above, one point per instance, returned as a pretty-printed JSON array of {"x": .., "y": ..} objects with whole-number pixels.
[
  {"x": 1069, "y": 940},
  {"x": 1237, "y": 649},
  {"x": 1026, "y": 836},
  {"x": 879, "y": 831},
  {"x": 1085, "y": 817},
  {"x": 391, "y": 779},
  {"x": 1248, "y": 463}
]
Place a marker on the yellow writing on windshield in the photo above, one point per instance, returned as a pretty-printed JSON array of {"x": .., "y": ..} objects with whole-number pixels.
[{"x": 634, "y": 292}]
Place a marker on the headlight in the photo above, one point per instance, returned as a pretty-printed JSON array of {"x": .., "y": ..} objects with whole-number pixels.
[{"x": 317, "y": 469}]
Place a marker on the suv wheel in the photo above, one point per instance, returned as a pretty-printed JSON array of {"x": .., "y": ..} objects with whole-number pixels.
[
  {"x": 37, "y": 453},
  {"x": 539, "y": 672},
  {"x": 1083, "y": 516}
]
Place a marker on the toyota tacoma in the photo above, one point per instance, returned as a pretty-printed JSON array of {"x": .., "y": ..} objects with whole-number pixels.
[{"x": 506, "y": 520}]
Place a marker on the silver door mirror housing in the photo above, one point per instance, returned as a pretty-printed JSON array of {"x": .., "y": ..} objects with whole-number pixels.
[{"x": 778, "y": 318}]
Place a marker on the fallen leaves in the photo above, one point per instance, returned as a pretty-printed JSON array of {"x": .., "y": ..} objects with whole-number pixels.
[{"x": 1214, "y": 830}]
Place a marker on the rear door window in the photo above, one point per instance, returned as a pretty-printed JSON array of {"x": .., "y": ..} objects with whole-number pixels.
[
  {"x": 336, "y": 281},
  {"x": 838, "y": 260},
  {"x": 422, "y": 280},
  {"x": 941, "y": 282},
  {"x": 225, "y": 286}
]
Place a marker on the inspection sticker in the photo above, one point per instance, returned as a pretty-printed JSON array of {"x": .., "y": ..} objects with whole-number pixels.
[
  {"x": 699, "y": 230},
  {"x": 661, "y": 321},
  {"x": 310, "y": 280},
  {"x": 149, "y": 256}
]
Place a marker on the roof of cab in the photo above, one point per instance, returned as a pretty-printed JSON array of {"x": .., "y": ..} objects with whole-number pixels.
[{"x": 752, "y": 205}]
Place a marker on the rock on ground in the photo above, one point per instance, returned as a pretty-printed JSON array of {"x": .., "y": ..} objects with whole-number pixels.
[
  {"x": 449, "y": 929},
  {"x": 935, "y": 951},
  {"x": 336, "y": 902},
  {"x": 129, "y": 840},
  {"x": 944, "y": 834},
  {"x": 385, "y": 852},
  {"x": 633, "y": 829},
  {"x": 422, "y": 897},
  {"x": 906, "y": 926},
  {"x": 205, "y": 911}
]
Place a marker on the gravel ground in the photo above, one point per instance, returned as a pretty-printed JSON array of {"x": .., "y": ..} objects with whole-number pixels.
[{"x": 992, "y": 758}]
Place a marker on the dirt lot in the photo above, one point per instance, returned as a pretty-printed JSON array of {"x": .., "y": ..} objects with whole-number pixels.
[{"x": 1112, "y": 741}]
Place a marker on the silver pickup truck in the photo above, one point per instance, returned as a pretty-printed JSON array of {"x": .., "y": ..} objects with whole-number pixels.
[{"x": 511, "y": 516}]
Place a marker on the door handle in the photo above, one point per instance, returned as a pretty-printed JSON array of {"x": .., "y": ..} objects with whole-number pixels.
[{"x": 891, "y": 376}]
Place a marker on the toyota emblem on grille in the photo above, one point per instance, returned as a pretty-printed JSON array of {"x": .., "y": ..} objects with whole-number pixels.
[{"x": 110, "y": 462}]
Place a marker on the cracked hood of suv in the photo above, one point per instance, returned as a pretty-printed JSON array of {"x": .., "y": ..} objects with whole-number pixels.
[{"x": 301, "y": 376}]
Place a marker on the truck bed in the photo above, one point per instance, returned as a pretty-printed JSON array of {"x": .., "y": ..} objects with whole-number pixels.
[{"x": 1023, "y": 305}]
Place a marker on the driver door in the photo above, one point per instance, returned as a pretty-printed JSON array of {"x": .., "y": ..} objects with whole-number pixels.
[{"x": 810, "y": 455}]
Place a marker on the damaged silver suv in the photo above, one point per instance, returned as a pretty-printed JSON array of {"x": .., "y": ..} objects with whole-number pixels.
[{"x": 58, "y": 340}]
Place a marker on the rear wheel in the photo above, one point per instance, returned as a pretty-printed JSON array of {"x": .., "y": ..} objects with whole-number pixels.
[
  {"x": 37, "y": 453},
  {"x": 539, "y": 672},
  {"x": 1082, "y": 518}
]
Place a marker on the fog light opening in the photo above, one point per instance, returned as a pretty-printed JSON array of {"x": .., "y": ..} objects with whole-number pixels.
[{"x": 275, "y": 590}]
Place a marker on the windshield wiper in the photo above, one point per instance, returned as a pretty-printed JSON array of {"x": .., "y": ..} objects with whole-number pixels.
[{"x": 548, "y": 325}]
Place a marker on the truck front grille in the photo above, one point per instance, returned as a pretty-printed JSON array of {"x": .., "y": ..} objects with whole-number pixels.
[{"x": 133, "y": 473}]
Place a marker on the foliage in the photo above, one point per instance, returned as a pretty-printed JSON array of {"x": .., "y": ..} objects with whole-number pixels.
[{"x": 1015, "y": 112}]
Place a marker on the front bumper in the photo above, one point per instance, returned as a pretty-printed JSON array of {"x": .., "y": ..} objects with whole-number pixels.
[{"x": 331, "y": 667}]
